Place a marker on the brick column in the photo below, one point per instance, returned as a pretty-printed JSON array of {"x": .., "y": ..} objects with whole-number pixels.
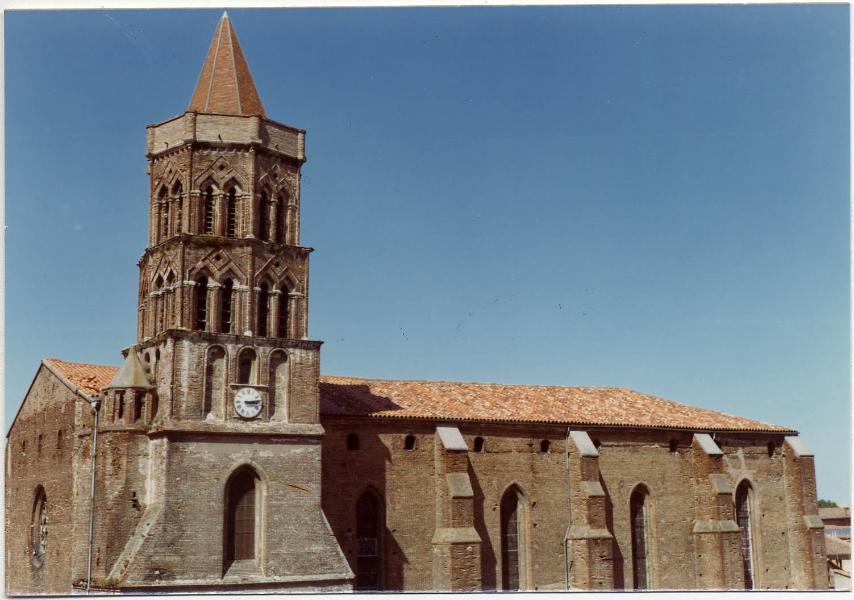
[
  {"x": 456, "y": 544},
  {"x": 807, "y": 554},
  {"x": 717, "y": 538},
  {"x": 590, "y": 546}
]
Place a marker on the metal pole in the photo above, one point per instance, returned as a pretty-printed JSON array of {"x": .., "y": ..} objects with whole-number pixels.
[{"x": 95, "y": 401}]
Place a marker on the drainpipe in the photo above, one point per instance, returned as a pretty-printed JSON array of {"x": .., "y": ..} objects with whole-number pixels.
[
  {"x": 95, "y": 402},
  {"x": 566, "y": 536}
]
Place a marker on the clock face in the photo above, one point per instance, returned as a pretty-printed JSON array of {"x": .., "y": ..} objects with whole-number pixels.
[{"x": 247, "y": 402}]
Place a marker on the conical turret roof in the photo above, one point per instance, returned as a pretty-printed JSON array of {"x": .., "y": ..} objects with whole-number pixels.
[
  {"x": 225, "y": 84},
  {"x": 131, "y": 374}
]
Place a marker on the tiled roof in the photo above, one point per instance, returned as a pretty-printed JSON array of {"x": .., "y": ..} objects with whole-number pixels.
[
  {"x": 835, "y": 512},
  {"x": 450, "y": 401},
  {"x": 836, "y": 547},
  {"x": 225, "y": 84},
  {"x": 89, "y": 379},
  {"x": 442, "y": 400}
]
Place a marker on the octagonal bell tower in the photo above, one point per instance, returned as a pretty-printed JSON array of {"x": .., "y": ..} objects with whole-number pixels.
[{"x": 228, "y": 432}]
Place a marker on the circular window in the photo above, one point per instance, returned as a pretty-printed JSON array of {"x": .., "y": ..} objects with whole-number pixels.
[{"x": 39, "y": 528}]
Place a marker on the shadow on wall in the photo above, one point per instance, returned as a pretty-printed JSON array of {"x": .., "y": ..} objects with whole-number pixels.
[
  {"x": 355, "y": 502},
  {"x": 488, "y": 561},
  {"x": 619, "y": 571},
  {"x": 352, "y": 400}
]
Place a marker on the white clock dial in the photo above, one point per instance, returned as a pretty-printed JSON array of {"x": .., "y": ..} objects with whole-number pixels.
[{"x": 247, "y": 402}]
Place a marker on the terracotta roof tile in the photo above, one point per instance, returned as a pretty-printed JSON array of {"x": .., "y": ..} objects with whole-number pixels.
[
  {"x": 443, "y": 400},
  {"x": 90, "y": 379}
]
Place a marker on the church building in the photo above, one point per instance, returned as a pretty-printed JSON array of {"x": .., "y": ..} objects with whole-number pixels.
[{"x": 217, "y": 457}]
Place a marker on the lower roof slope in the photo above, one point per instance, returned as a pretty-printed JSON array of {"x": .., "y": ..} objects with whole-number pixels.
[{"x": 489, "y": 402}]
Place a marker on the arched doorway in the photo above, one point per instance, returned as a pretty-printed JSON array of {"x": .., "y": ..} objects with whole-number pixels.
[
  {"x": 242, "y": 504},
  {"x": 639, "y": 510},
  {"x": 370, "y": 521}
]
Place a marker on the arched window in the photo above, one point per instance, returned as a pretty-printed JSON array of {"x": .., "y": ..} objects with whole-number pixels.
[
  {"x": 208, "y": 213},
  {"x": 640, "y": 517},
  {"x": 545, "y": 445},
  {"x": 137, "y": 405},
  {"x": 512, "y": 540},
  {"x": 352, "y": 441},
  {"x": 242, "y": 507},
  {"x": 246, "y": 366},
  {"x": 263, "y": 309},
  {"x": 169, "y": 317},
  {"x": 744, "y": 516},
  {"x": 158, "y": 304},
  {"x": 161, "y": 216},
  {"x": 264, "y": 217},
  {"x": 177, "y": 190},
  {"x": 409, "y": 442},
  {"x": 281, "y": 218},
  {"x": 38, "y": 539},
  {"x": 283, "y": 312},
  {"x": 370, "y": 521},
  {"x": 231, "y": 213},
  {"x": 478, "y": 444},
  {"x": 214, "y": 381},
  {"x": 200, "y": 312},
  {"x": 225, "y": 306},
  {"x": 278, "y": 401},
  {"x": 120, "y": 406}
]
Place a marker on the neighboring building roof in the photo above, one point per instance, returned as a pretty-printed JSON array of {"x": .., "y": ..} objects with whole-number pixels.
[
  {"x": 836, "y": 547},
  {"x": 225, "y": 84},
  {"x": 86, "y": 378},
  {"x": 835, "y": 512},
  {"x": 442, "y": 400},
  {"x": 490, "y": 402}
]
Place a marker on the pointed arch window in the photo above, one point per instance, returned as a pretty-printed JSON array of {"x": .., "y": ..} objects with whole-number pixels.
[
  {"x": 162, "y": 216},
  {"x": 214, "y": 381},
  {"x": 177, "y": 191},
  {"x": 226, "y": 306},
  {"x": 170, "y": 301},
  {"x": 158, "y": 305},
  {"x": 639, "y": 510},
  {"x": 200, "y": 310},
  {"x": 278, "y": 384},
  {"x": 283, "y": 312},
  {"x": 281, "y": 218},
  {"x": 208, "y": 212},
  {"x": 38, "y": 540},
  {"x": 745, "y": 517},
  {"x": 263, "y": 309},
  {"x": 512, "y": 540},
  {"x": 264, "y": 217},
  {"x": 242, "y": 507},
  {"x": 231, "y": 213},
  {"x": 370, "y": 521}
]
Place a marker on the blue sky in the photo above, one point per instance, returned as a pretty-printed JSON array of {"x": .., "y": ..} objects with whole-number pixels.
[{"x": 646, "y": 197}]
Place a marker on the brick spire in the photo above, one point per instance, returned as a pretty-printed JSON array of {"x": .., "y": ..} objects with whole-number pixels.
[{"x": 225, "y": 84}]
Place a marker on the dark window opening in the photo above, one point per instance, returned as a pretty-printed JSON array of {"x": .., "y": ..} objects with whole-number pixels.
[
  {"x": 544, "y": 446},
  {"x": 478, "y": 444},
  {"x": 38, "y": 529},
  {"x": 596, "y": 443},
  {"x": 59, "y": 439},
  {"x": 674, "y": 446},
  {"x": 771, "y": 449},
  {"x": 264, "y": 217},
  {"x": 177, "y": 190},
  {"x": 225, "y": 306},
  {"x": 638, "y": 510},
  {"x": 208, "y": 218},
  {"x": 120, "y": 405},
  {"x": 137, "y": 406},
  {"x": 201, "y": 308},
  {"x": 240, "y": 517},
  {"x": 409, "y": 443},
  {"x": 231, "y": 214},
  {"x": 283, "y": 313},
  {"x": 263, "y": 309},
  {"x": 246, "y": 366},
  {"x": 352, "y": 441},
  {"x": 281, "y": 225}
]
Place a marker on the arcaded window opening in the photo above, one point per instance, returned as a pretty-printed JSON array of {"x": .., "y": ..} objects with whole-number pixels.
[
  {"x": 246, "y": 364},
  {"x": 264, "y": 217},
  {"x": 137, "y": 405},
  {"x": 263, "y": 309},
  {"x": 281, "y": 218},
  {"x": 200, "y": 312},
  {"x": 231, "y": 213},
  {"x": 283, "y": 313},
  {"x": 225, "y": 306},
  {"x": 208, "y": 213}
]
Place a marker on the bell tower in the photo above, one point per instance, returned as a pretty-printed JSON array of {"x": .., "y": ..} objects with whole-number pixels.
[{"x": 218, "y": 399}]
